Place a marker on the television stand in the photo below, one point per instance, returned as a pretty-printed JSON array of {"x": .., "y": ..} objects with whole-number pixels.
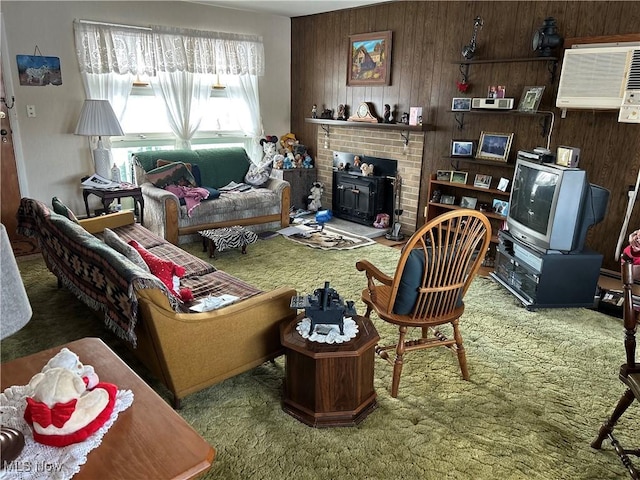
[{"x": 546, "y": 280}]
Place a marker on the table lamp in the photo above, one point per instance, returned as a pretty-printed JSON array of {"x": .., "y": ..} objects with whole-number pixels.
[
  {"x": 15, "y": 312},
  {"x": 98, "y": 118}
]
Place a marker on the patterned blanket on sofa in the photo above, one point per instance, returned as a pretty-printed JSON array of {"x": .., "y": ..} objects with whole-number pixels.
[{"x": 98, "y": 275}]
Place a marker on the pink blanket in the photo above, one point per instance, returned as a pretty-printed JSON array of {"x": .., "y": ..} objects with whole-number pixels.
[{"x": 192, "y": 195}]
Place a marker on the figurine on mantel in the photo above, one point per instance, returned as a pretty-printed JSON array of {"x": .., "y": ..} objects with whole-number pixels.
[
  {"x": 341, "y": 113},
  {"x": 314, "y": 111},
  {"x": 387, "y": 113}
]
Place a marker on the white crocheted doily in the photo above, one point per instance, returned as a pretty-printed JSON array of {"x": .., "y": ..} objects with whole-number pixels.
[
  {"x": 42, "y": 462},
  {"x": 350, "y": 329}
]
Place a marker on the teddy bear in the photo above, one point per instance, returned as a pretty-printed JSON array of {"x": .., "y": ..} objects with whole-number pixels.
[
  {"x": 65, "y": 358},
  {"x": 366, "y": 169},
  {"x": 316, "y": 194},
  {"x": 61, "y": 410}
]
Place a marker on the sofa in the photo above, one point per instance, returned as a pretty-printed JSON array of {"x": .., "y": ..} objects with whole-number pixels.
[
  {"x": 265, "y": 207},
  {"x": 187, "y": 351}
]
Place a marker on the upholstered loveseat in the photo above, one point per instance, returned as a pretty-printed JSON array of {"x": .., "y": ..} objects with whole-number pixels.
[
  {"x": 187, "y": 351},
  {"x": 265, "y": 207}
]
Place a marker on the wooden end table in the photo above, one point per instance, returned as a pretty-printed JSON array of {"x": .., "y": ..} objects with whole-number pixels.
[
  {"x": 148, "y": 440},
  {"x": 329, "y": 385},
  {"x": 108, "y": 195}
]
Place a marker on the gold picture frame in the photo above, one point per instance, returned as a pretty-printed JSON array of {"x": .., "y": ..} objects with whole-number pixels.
[
  {"x": 494, "y": 146},
  {"x": 369, "y": 59}
]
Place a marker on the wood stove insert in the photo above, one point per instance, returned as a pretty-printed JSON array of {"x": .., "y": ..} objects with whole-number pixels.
[{"x": 360, "y": 198}]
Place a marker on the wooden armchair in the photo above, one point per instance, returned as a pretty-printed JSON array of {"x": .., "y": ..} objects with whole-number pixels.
[
  {"x": 433, "y": 274},
  {"x": 629, "y": 373}
]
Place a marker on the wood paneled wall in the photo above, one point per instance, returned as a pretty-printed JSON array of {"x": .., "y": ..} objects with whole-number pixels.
[{"x": 427, "y": 40}]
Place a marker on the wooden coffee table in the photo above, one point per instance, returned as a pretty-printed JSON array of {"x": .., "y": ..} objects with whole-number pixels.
[
  {"x": 329, "y": 385},
  {"x": 148, "y": 440}
]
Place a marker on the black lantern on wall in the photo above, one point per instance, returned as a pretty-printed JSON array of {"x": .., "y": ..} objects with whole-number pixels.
[{"x": 546, "y": 38}]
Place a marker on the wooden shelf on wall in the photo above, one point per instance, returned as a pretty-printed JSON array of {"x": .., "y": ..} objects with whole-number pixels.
[
  {"x": 384, "y": 126},
  {"x": 479, "y": 161}
]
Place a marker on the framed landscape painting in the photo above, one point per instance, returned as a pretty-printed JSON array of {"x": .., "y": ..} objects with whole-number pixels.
[{"x": 369, "y": 59}]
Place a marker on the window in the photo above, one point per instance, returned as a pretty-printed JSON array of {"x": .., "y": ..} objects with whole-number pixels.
[{"x": 147, "y": 128}]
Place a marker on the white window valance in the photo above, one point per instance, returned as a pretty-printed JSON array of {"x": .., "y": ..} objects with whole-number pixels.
[{"x": 103, "y": 48}]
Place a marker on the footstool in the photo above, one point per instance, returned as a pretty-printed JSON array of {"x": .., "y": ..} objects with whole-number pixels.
[{"x": 224, "y": 238}]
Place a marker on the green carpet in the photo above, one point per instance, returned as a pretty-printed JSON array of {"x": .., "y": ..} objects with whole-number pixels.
[{"x": 541, "y": 384}]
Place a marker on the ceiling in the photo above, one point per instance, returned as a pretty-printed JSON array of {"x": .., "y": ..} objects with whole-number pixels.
[{"x": 289, "y": 8}]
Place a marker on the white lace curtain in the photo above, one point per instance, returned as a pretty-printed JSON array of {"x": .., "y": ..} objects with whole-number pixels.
[{"x": 181, "y": 64}]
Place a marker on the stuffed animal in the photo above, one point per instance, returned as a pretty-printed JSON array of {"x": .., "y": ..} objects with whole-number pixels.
[
  {"x": 65, "y": 358},
  {"x": 316, "y": 194},
  {"x": 62, "y": 410},
  {"x": 287, "y": 163},
  {"x": 382, "y": 221},
  {"x": 288, "y": 141},
  {"x": 367, "y": 170},
  {"x": 307, "y": 162}
]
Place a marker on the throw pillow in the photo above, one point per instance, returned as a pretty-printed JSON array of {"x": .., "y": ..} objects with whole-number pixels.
[
  {"x": 119, "y": 245},
  {"x": 168, "y": 272},
  {"x": 61, "y": 209},
  {"x": 258, "y": 174},
  {"x": 175, "y": 173}
]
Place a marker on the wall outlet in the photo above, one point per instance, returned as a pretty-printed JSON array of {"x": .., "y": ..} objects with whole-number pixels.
[{"x": 31, "y": 111}]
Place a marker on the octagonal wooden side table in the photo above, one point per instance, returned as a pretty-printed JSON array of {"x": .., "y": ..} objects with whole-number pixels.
[{"x": 329, "y": 385}]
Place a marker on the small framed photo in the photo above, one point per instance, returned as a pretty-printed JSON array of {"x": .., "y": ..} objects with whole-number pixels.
[
  {"x": 468, "y": 202},
  {"x": 501, "y": 207},
  {"x": 448, "y": 199},
  {"x": 459, "y": 177},
  {"x": 503, "y": 184},
  {"x": 462, "y": 148},
  {"x": 461, "y": 104},
  {"x": 482, "y": 181},
  {"x": 443, "y": 175},
  {"x": 494, "y": 146},
  {"x": 530, "y": 99}
]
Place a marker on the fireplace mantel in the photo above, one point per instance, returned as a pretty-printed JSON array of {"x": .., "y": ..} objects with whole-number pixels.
[{"x": 385, "y": 126}]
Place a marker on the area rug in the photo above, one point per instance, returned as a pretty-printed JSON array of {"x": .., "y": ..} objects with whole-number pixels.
[{"x": 331, "y": 238}]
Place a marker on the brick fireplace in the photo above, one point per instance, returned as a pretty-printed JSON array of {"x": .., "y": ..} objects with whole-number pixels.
[{"x": 374, "y": 142}]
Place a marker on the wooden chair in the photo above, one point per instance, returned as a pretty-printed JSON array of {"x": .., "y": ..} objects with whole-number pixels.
[
  {"x": 629, "y": 373},
  {"x": 433, "y": 274}
]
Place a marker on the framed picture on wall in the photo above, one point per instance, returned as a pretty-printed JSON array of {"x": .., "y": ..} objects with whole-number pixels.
[
  {"x": 462, "y": 148},
  {"x": 530, "y": 99},
  {"x": 494, "y": 146},
  {"x": 369, "y": 59}
]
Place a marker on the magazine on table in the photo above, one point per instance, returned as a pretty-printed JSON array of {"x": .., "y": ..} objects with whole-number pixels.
[{"x": 96, "y": 181}]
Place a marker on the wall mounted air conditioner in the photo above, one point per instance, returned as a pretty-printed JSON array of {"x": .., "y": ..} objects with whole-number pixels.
[{"x": 598, "y": 77}]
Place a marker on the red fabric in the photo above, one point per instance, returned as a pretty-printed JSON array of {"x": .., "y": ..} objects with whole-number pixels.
[
  {"x": 631, "y": 254},
  {"x": 56, "y": 415},
  {"x": 85, "y": 432},
  {"x": 164, "y": 270}
]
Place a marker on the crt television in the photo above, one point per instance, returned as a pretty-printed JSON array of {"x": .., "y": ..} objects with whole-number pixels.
[{"x": 552, "y": 207}]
